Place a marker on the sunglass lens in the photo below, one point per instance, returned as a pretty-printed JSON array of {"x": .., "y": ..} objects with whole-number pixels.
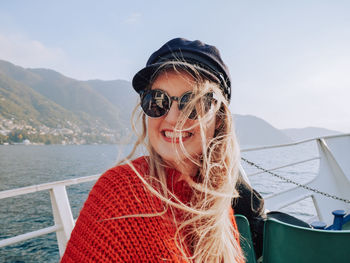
[
  {"x": 206, "y": 100},
  {"x": 184, "y": 100},
  {"x": 155, "y": 103}
]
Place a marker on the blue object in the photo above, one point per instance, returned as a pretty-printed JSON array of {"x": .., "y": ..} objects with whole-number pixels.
[
  {"x": 318, "y": 225},
  {"x": 346, "y": 219},
  {"x": 338, "y": 219}
]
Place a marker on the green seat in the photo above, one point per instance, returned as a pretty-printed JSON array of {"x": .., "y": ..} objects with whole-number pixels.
[
  {"x": 285, "y": 243},
  {"x": 245, "y": 238}
]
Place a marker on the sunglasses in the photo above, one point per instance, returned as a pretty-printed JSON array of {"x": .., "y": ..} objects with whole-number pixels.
[{"x": 156, "y": 103}]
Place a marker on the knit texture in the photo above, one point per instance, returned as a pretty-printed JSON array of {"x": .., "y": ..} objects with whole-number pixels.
[{"x": 107, "y": 231}]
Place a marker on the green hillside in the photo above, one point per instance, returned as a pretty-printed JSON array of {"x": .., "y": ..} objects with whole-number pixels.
[
  {"x": 22, "y": 103},
  {"x": 45, "y": 98}
]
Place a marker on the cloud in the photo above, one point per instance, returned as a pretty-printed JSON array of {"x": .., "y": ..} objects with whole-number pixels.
[
  {"x": 132, "y": 19},
  {"x": 26, "y": 52},
  {"x": 29, "y": 53}
]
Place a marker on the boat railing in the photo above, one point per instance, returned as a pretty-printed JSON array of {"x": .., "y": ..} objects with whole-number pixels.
[
  {"x": 265, "y": 147},
  {"x": 329, "y": 190},
  {"x": 61, "y": 209},
  {"x": 333, "y": 164}
]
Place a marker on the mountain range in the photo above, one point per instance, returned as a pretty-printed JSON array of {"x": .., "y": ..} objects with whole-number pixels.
[{"x": 44, "y": 101}]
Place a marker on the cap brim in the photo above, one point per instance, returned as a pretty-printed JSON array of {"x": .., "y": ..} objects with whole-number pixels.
[{"x": 142, "y": 78}]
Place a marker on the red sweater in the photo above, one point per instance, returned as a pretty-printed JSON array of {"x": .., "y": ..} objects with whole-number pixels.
[{"x": 99, "y": 237}]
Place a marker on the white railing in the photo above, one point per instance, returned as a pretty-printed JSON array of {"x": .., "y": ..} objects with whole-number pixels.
[
  {"x": 333, "y": 177},
  {"x": 61, "y": 210},
  {"x": 269, "y": 147},
  {"x": 334, "y": 170}
]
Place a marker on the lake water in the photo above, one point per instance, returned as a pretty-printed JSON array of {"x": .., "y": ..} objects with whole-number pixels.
[{"x": 28, "y": 165}]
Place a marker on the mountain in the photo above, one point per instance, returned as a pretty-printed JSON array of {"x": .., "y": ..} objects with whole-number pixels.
[
  {"x": 252, "y": 130},
  {"x": 118, "y": 92},
  {"x": 45, "y": 98},
  {"x": 308, "y": 133},
  {"x": 72, "y": 95},
  {"x": 45, "y": 102},
  {"x": 20, "y": 102}
]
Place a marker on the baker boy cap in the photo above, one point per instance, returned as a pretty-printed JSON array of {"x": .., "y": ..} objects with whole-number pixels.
[{"x": 205, "y": 57}]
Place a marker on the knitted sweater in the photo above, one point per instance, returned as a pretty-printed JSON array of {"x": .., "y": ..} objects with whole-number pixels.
[{"x": 102, "y": 234}]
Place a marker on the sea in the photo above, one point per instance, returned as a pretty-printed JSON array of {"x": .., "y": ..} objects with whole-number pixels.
[{"x": 25, "y": 165}]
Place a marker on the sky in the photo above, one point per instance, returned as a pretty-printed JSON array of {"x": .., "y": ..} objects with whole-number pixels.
[{"x": 289, "y": 60}]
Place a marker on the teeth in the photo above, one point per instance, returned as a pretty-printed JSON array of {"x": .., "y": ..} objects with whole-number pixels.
[{"x": 170, "y": 134}]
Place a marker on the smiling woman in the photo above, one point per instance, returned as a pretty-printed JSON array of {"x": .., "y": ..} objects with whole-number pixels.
[
  {"x": 164, "y": 135},
  {"x": 174, "y": 204}
]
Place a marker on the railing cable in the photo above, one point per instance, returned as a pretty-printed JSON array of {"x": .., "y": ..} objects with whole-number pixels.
[{"x": 296, "y": 183}]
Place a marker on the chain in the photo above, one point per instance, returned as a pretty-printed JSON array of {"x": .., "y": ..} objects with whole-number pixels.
[{"x": 296, "y": 183}]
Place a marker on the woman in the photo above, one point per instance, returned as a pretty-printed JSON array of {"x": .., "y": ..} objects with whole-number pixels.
[{"x": 175, "y": 204}]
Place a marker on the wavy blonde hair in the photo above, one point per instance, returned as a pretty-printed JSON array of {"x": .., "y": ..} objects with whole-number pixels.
[{"x": 207, "y": 225}]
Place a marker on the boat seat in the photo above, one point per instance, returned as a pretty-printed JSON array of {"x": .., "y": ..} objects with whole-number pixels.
[
  {"x": 245, "y": 238},
  {"x": 288, "y": 243},
  {"x": 286, "y": 218}
]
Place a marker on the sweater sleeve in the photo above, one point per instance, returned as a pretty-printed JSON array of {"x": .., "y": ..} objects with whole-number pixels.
[
  {"x": 120, "y": 222},
  {"x": 90, "y": 236},
  {"x": 106, "y": 230}
]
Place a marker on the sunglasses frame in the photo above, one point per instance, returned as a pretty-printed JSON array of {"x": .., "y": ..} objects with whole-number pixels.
[{"x": 171, "y": 99}]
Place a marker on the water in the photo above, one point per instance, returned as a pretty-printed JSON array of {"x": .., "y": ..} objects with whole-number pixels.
[{"x": 28, "y": 165}]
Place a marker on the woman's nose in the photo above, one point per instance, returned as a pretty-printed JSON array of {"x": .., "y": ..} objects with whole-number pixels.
[{"x": 173, "y": 113}]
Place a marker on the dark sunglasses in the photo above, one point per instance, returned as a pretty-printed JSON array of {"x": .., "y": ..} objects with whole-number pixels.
[{"x": 156, "y": 103}]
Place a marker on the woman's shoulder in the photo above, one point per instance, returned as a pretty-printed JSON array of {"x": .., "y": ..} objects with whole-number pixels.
[
  {"x": 127, "y": 171},
  {"x": 122, "y": 179},
  {"x": 118, "y": 186}
]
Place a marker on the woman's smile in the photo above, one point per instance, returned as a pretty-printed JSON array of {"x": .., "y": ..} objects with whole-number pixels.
[{"x": 173, "y": 136}]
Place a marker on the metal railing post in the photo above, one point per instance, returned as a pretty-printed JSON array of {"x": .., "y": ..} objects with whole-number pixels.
[{"x": 62, "y": 215}]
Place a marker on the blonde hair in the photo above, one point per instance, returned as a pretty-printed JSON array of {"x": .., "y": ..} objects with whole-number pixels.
[{"x": 207, "y": 223}]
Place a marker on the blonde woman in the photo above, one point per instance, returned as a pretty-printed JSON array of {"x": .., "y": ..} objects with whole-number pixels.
[{"x": 173, "y": 205}]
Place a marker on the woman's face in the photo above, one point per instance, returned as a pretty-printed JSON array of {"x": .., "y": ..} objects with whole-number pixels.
[{"x": 161, "y": 130}]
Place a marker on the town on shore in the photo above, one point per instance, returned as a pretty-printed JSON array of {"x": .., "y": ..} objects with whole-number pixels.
[{"x": 20, "y": 132}]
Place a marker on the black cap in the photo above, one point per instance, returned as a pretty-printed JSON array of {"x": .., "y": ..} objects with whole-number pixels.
[{"x": 205, "y": 57}]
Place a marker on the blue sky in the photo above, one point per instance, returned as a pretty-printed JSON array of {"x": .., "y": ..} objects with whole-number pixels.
[{"x": 289, "y": 60}]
